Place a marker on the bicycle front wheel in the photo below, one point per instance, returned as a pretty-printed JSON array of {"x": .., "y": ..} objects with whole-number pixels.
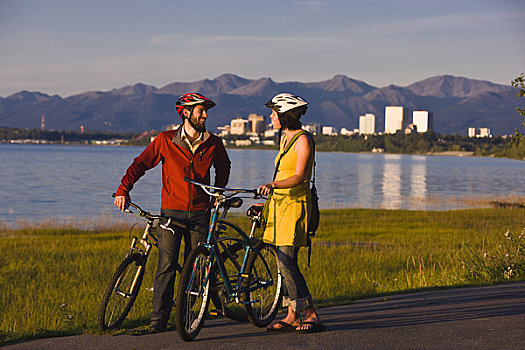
[
  {"x": 121, "y": 292},
  {"x": 192, "y": 294},
  {"x": 263, "y": 291}
]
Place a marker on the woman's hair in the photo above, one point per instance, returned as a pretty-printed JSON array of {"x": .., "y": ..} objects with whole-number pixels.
[{"x": 290, "y": 119}]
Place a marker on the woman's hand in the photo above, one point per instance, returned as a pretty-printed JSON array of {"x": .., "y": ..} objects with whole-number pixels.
[{"x": 265, "y": 190}]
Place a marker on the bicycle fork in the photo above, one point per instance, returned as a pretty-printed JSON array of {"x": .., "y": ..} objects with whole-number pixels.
[
  {"x": 129, "y": 293},
  {"x": 144, "y": 253},
  {"x": 195, "y": 271}
]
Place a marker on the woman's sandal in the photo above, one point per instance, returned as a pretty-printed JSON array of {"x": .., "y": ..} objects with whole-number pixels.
[
  {"x": 285, "y": 327},
  {"x": 314, "y": 328}
]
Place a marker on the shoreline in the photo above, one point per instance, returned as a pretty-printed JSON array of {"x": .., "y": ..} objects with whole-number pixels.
[
  {"x": 443, "y": 153},
  {"x": 102, "y": 223}
]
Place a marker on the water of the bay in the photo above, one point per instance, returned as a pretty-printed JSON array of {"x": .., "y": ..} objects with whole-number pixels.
[{"x": 43, "y": 181}]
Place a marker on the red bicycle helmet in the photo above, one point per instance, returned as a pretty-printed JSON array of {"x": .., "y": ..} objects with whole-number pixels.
[{"x": 193, "y": 99}]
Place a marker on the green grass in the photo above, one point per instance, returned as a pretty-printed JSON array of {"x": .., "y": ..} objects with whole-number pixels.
[
  {"x": 392, "y": 251},
  {"x": 52, "y": 280}
]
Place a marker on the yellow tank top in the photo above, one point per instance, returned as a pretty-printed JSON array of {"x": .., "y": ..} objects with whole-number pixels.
[{"x": 288, "y": 208}]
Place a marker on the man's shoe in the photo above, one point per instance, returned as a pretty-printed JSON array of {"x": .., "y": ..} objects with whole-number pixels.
[{"x": 156, "y": 327}]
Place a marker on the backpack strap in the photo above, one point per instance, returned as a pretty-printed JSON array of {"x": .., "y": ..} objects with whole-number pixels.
[
  {"x": 313, "y": 170},
  {"x": 288, "y": 147}
]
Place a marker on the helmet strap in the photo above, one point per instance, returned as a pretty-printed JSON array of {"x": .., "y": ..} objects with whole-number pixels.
[{"x": 191, "y": 123}]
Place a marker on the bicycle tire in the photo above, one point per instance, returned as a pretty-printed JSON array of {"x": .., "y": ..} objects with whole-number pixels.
[
  {"x": 192, "y": 295},
  {"x": 232, "y": 254},
  {"x": 263, "y": 291},
  {"x": 118, "y": 298}
]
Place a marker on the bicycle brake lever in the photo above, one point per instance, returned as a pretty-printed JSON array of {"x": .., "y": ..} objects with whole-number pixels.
[
  {"x": 257, "y": 195},
  {"x": 166, "y": 226}
]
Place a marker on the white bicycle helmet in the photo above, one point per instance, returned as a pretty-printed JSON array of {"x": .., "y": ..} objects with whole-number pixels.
[{"x": 284, "y": 102}]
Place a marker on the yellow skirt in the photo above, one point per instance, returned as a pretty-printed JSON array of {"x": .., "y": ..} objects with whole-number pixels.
[{"x": 287, "y": 217}]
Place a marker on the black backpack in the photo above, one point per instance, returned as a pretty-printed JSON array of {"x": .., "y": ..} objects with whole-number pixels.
[{"x": 313, "y": 219}]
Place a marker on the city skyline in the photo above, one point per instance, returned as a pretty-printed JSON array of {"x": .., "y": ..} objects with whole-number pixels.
[
  {"x": 70, "y": 47},
  {"x": 396, "y": 119}
]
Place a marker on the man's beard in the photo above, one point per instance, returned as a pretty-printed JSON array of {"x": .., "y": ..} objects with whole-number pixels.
[{"x": 196, "y": 125}]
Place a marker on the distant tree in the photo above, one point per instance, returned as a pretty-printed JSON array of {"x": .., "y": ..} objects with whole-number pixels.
[
  {"x": 516, "y": 148},
  {"x": 519, "y": 83}
]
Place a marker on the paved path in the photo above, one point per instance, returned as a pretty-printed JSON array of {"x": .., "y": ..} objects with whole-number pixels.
[{"x": 465, "y": 318}]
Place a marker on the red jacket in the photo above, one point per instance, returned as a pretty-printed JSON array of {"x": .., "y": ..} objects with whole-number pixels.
[{"x": 177, "y": 162}]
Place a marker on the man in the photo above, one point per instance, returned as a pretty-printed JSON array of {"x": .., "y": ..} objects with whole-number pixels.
[{"x": 188, "y": 151}]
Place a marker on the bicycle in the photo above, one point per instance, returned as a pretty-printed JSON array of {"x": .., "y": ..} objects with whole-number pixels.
[
  {"x": 125, "y": 284},
  {"x": 258, "y": 283}
]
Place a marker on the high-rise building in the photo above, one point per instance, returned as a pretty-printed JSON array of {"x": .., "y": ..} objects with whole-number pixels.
[
  {"x": 484, "y": 132},
  {"x": 223, "y": 130},
  {"x": 395, "y": 119},
  {"x": 423, "y": 120},
  {"x": 313, "y": 128},
  {"x": 258, "y": 123},
  {"x": 367, "y": 124},
  {"x": 329, "y": 130},
  {"x": 479, "y": 132},
  {"x": 239, "y": 126}
]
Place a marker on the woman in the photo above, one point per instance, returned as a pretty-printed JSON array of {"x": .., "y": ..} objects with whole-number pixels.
[{"x": 288, "y": 209}]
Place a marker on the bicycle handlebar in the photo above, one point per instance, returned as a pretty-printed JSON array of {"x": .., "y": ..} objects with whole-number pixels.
[
  {"x": 142, "y": 213},
  {"x": 165, "y": 222},
  {"x": 221, "y": 190},
  {"x": 207, "y": 188}
]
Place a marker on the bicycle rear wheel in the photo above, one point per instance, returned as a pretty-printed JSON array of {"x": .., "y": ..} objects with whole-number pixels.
[
  {"x": 263, "y": 292},
  {"x": 121, "y": 292},
  {"x": 192, "y": 294}
]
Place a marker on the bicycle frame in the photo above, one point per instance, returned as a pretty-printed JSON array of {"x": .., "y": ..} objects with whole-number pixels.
[
  {"x": 125, "y": 284},
  {"x": 212, "y": 244},
  {"x": 150, "y": 219},
  {"x": 145, "y": 246},
  {"x": 143, "y": 241},
  {"x": 231, "y": 292}
]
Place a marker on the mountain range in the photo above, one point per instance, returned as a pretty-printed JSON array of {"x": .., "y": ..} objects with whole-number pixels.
[{"x": 456, "y": 102}]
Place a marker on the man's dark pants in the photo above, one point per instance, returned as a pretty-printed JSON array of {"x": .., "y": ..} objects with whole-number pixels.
[{"x": 196, "y": 223}]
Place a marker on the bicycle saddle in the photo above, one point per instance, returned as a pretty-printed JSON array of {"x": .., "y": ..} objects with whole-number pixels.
[
  {"x": 232, "y": 203},
  {"x": 255, "y": 209}
]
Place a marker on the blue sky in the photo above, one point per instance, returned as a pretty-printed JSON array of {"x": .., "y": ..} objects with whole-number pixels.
[{"x": 68, "y": 47}]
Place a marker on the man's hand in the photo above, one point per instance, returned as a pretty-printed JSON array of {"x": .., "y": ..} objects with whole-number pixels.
[{"x": 121, "y": 202}]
